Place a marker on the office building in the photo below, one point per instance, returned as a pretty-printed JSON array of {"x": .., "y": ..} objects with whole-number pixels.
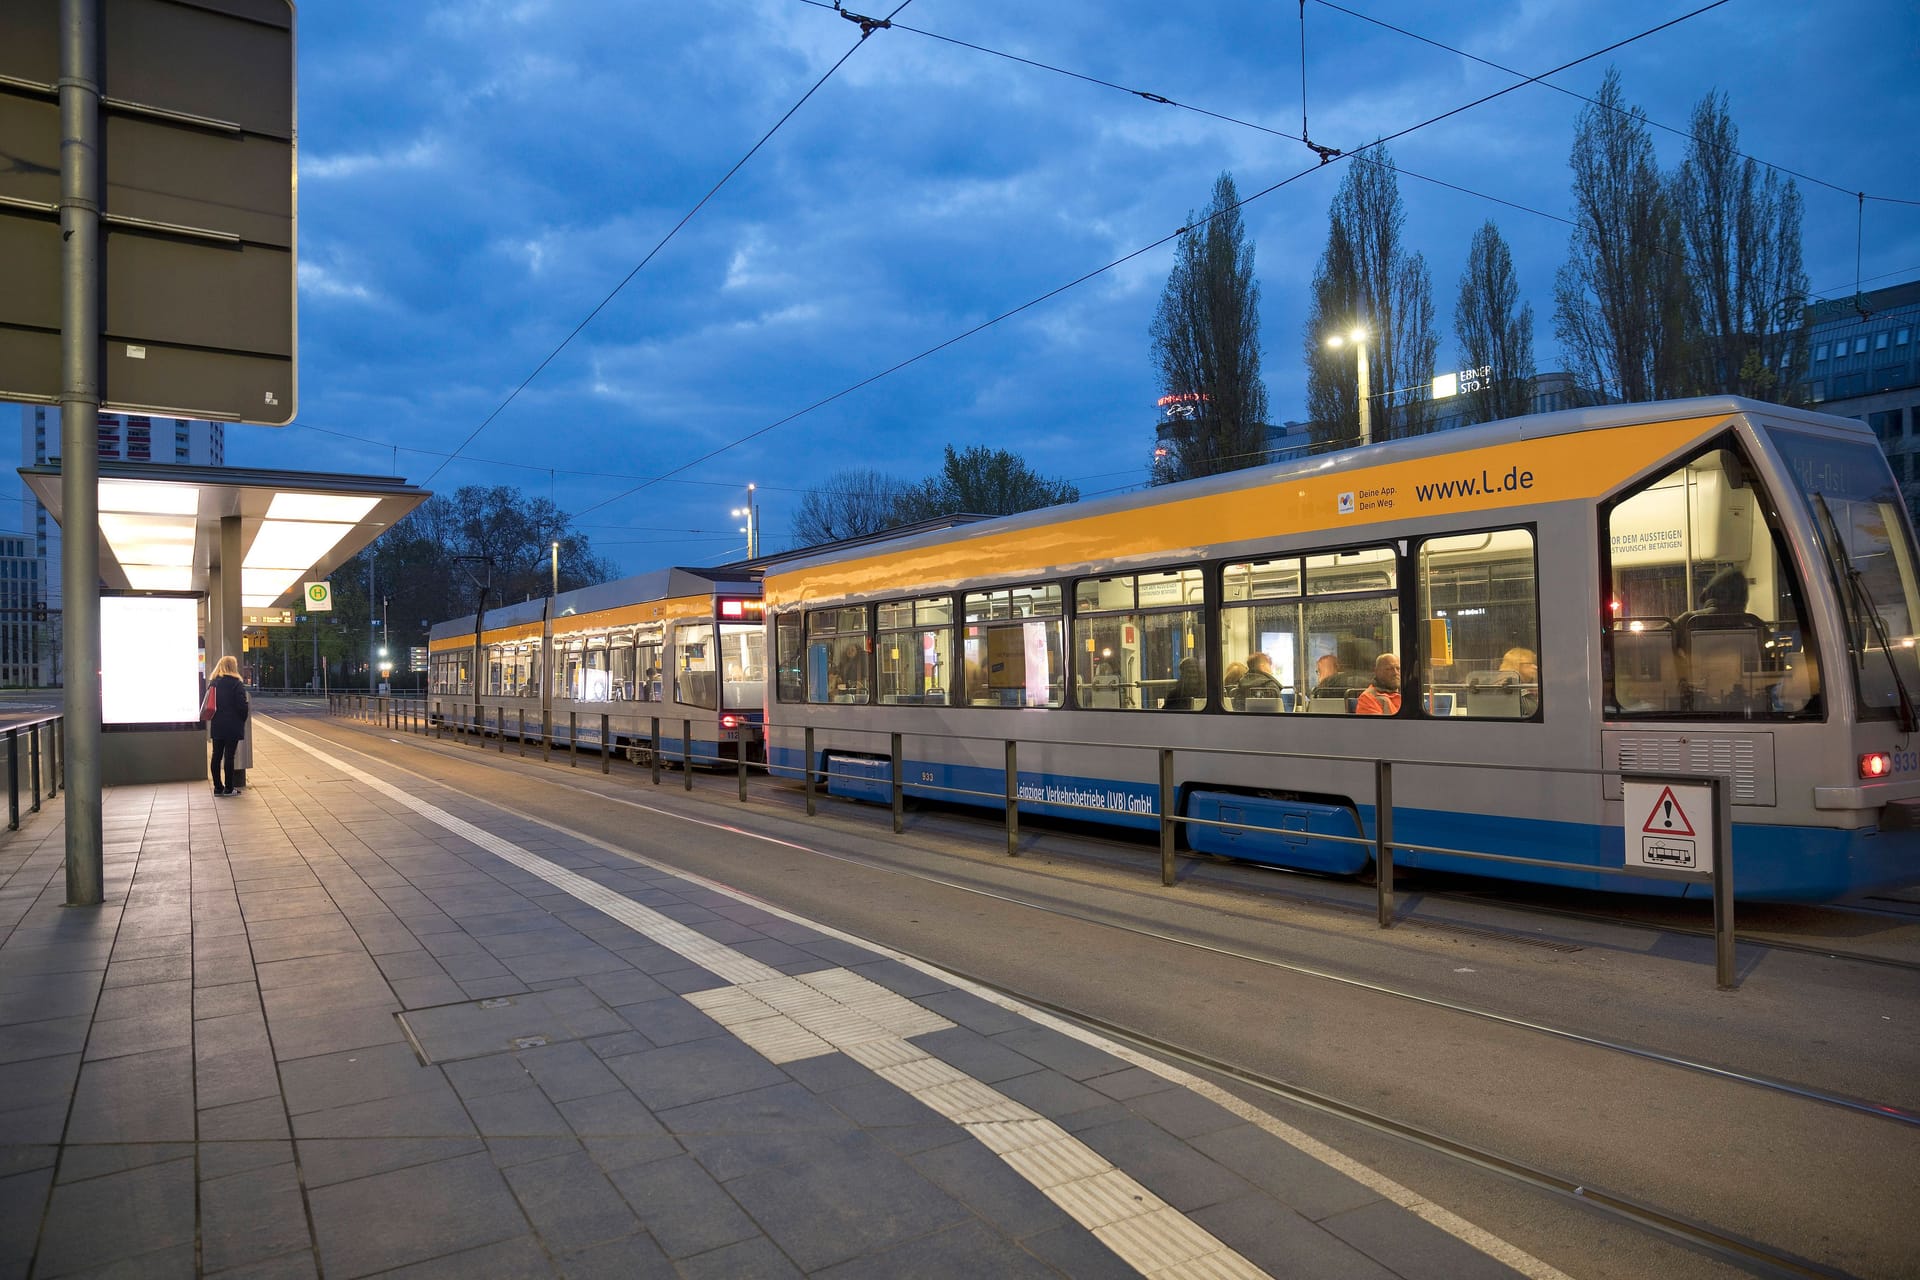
[{"x": 1864, "y": 362}]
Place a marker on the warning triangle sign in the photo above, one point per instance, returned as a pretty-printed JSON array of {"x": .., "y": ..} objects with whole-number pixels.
[{"x": 1667, "y": 818}]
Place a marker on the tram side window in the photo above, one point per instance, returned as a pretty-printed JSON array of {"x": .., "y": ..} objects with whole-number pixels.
[
  {"x": 914, "y": 652},
  {"x": 646, "y": 665},
  {"x": 623, "y": 673},
  {"x": 1013, "y": 649},
  {"x": 1351, "y": 619},
  {"x": 839, "y": 655},
  {"x": 789, "y": 642},
  {"x": 693, "y": 674},
  {"x": 1139, "y": 641},
  {"x": 1260, "y": 636},
  {"x": 1480, "y": 601},
  {"x": 1707, "y": 615},
  {"x": 593, "y": 678}
]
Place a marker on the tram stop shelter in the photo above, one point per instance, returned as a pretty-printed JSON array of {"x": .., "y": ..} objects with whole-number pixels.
[{"x": 189, "y": 558}]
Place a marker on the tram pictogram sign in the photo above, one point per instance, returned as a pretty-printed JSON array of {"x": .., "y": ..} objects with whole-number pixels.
[{"x": 1669, "y": 826}]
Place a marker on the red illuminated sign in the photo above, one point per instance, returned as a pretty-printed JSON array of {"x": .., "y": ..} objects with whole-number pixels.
[{"x": 742, "y": 609}]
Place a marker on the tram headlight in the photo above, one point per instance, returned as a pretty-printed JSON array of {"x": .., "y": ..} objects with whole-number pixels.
[{"x": 1875, "y": 764}]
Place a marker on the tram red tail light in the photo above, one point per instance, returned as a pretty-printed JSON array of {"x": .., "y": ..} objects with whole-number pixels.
[
  {"x": 1876, "y": 764},
  {"x": 729, "y": 722}
]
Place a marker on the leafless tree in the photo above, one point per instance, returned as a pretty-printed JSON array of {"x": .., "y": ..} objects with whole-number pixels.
[
  {"x": 851, "y": 504},
  {"x": 1367, "y": 279},
  {"x": 1495, "y": 330},
  {"x": 1206, "y": 339},
  {"x": 1619, "y": 300},
  {"x": 1741, "y": 229}
]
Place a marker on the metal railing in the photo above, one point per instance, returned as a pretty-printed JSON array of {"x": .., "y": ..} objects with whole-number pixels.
[
  {"x": 1376, "y": 777},
  {"x": 36, "y": 754}
]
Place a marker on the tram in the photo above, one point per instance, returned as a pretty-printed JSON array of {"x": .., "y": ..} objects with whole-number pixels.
[
  {"x": 1702, "y": 587},
  {"x": 674, "y": 661}
]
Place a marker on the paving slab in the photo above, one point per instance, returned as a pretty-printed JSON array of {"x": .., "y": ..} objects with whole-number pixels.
[{"x": 317, "y": 1030}]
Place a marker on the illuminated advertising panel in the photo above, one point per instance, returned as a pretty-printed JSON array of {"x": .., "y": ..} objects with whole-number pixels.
[{"x": 149, "y": 659}]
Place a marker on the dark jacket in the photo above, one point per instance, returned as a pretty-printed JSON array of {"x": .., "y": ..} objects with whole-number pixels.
[
  {"x": 229, "y": 723},
  {"x": 1258, "y": 684}
]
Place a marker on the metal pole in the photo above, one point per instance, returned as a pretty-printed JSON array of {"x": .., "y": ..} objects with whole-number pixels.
[
  {"x": 522, "y": 748},
  {"x": 899, "y": 791},
  {"x": 653, "y": 749},
  {"x": 686, "y": 752},
  {"x": 13, "y": 779},
  {"x": 806, "y": 769},
  {"x": 1366, "y": 393},
  {"x": 60, "y": 753},
  {"x": 1013, "y": 800},
  {"x": 34, "y": 776},
  {"x": 1383, "y": 840},
  {"x": 1166, "y": 816},
  {"x": 740, "y": 764},
  {"x": 573, "y": 739},
  {"x": 81, "y": 147},
  {"x": 1723, "y": 972},
  {"x": 500, "y": 729},
  {"x": 606, "y": 761}
]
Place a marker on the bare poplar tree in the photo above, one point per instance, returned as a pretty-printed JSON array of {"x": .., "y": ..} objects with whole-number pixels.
[
  {"x": 1741, "y": 228},
  {"x": 1619, "y": 306},
  {"x": 1367, "y": 279},
  {"x": 1206, "y": 340},
  {"x": 1495, "y": 330}
]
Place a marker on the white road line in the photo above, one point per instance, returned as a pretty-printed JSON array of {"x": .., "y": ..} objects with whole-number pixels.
[{"x": 790, "y": 1018}]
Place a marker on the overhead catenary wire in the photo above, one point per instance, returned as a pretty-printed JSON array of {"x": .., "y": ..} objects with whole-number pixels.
[
  {"x": 1129, "y": 257},
  {"x": 867, "y": 27}
]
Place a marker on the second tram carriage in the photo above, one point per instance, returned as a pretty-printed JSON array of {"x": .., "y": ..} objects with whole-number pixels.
[
  {"x": 683, "y": 649},
  {"x": 1694, "y": 587}
]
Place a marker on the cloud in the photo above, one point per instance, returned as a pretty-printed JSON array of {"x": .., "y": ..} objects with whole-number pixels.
[
  {"x": 317, "y": 281},
  {"x": 423, "y": 152}
]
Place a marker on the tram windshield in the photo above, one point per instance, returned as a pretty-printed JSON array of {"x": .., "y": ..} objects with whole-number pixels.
[
  {"x": 743, "y": 666},
  {"x": 1709, "y": 621},
  {"x": 1867, "y": 545}
]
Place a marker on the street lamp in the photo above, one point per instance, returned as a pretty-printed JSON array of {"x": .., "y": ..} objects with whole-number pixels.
[
  {"x": 752, "y": 529},
  {"x": 1358, "y": 337},
  {"x": 556, "y": 568}
]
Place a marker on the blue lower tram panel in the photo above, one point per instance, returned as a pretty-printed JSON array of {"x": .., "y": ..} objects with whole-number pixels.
[
  {"x": 1277, "y": 831},
  {"x": 1771, "y": 863}
]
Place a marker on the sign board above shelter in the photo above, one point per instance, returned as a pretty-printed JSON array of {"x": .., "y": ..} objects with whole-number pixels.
[{"x": 198, "y": 207}]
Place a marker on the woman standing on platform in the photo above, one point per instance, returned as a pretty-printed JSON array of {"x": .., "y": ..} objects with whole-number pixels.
[{"x": 228, "y": 698}]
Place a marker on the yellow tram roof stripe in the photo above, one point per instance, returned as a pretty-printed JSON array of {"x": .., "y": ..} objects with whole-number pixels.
[
  {"x": 625, "y": 615},
  {"x": 1575, "y": 465}
]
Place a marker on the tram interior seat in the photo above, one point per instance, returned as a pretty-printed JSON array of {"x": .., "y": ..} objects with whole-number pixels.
[
  {"x": 1646, "y": 666},
  {"x": 1494, "y": 694},
  {"x": 1332, "y": 704},
  {"x": 1268, "y": 705},
  {"x": 1724, "y": 656}
]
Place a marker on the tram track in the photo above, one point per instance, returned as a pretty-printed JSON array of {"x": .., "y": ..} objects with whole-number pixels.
[
  {"x": 1738, "y": 1250},
  {"x": 1730, "y": 1247}
]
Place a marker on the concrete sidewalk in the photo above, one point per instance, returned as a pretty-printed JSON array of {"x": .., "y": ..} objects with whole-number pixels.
[{"x": 333, "y": 1027}]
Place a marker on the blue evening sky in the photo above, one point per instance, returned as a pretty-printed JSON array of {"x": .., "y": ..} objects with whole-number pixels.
[{"x": 477, "y": 175}]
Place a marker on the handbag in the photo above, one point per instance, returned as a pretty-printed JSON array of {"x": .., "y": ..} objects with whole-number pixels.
[{"x": 209, "y": 704}]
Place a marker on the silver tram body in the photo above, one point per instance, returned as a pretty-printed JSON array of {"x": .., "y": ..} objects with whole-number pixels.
[
  {"x": 671, "y": 662},
  {"x": 1094, "y": 636}
]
